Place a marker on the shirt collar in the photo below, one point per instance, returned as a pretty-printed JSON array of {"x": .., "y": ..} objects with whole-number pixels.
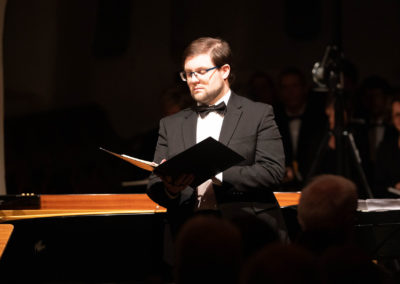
[{"x": 225, "y": 98}]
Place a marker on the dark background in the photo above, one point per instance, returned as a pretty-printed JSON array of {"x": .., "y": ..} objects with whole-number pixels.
[{"x": 83, "y": 74}]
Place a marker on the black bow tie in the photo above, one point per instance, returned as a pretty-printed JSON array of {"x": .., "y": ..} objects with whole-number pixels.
[{"x": 204, "y": 110}]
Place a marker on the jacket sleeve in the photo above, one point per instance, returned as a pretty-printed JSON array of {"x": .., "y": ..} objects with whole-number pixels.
[
  {"x": 155, "y": 188},
  {"x": 266, "y": 169}
]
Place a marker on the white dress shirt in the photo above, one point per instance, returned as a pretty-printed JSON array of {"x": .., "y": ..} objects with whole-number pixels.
[
  {"x": 209, "y": 126},
  {"x": 294, "y": 128}
]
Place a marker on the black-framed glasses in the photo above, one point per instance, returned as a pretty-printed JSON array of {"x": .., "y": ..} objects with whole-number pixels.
[{"x": 199, "y": 74}]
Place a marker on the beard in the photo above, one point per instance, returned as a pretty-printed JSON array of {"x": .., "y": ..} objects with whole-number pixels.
[{"x": 205, "y": 95}]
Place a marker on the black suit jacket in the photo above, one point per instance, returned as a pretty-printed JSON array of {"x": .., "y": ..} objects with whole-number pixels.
[
  {"x": 312, "y": 130},
  {"x": 249, "y": 129},
  {"x": 387, "y": 167}
]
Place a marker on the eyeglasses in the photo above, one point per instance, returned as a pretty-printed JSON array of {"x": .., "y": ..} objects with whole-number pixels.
[{"x": 198, "y": 74}]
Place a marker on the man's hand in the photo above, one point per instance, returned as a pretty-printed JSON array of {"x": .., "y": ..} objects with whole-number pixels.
[
  {"x": 289, "y": 175},
  {"x": 174, "y": 186},
  {"x": 179, "y": 184}
]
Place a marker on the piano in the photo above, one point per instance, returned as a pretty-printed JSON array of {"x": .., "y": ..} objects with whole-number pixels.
[
  {"x": 101, "y": 238},
  {"x": 90, "y": 237}
]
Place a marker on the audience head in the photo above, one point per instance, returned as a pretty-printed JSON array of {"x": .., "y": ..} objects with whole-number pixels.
[
  {"x": 328, "y": 203},
  {"x": 349, "y": 264},
  {"x": 396, "y": 112},
  {"x": 261, "y": 88},
  {"x": 175, "y": 99},
  {"x": 279, "y": 263},
  {"x": 293, "y": 89},
  {"x": 255, "y": 233},
  {"x": 375, "y": 94},
  {"x": 208, "y": 250}
]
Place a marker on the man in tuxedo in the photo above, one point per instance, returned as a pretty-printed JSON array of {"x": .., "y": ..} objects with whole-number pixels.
[
  {"x": 244, "y": 126},
  {"x": 302, "y": 123}
]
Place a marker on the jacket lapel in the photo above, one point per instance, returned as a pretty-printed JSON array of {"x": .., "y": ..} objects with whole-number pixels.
[
  {"x": 231, "y": 119},
  {"x": 189, "y": 129}
]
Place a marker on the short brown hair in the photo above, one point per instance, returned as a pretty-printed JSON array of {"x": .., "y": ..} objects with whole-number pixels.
[
  {"x": 219, "y": 50},
  {"x": 329, "y": 202}
]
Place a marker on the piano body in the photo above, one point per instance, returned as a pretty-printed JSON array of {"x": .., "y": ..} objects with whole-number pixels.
[
  {"x": 89, "y": 237},
  {"x": 101, "y": 238}
]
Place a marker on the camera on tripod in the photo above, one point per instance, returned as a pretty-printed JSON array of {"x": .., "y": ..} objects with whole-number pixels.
[
  {"x": 328, "y": 70},
  {"x": 328, "y": 76}
]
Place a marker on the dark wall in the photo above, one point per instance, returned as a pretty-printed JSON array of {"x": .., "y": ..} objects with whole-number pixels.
[{"x": 83, "y": 73}]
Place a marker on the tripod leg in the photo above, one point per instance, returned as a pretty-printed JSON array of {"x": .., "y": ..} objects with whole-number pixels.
[
  {"x": 357, "y": 162},
  {"x": 323, "y": 147}
]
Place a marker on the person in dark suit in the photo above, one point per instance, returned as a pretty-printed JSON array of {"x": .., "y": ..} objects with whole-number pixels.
[
  {"x": 244, "y": 126},
  {"x": 387, "y": 170},
  {"x": 302, "y": 123}
]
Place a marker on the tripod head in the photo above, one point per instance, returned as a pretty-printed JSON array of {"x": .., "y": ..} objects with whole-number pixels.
[
  {"x": 328, "y": 76},
  {"x": 327, "y": 73}
]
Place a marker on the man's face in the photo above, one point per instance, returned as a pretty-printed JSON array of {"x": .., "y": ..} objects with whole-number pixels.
[
  {"x": 293, "y": 93},
  {"x": 396, "y": 115},
  {"x": 209, "y": 87},
  {"x": 376, "y": 102}
]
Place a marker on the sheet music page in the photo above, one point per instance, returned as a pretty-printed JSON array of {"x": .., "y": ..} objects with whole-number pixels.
[
  {"x": 379, "y": 204},
  {"x": 146, "y": 165}
]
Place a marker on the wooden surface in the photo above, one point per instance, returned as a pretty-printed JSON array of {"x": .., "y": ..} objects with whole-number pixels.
[
  {"x": 99, "y": 201},
  {"x": 5, "y": 233},
  {"x": 86, "y": 204},
  {"x": 101, "y": 204},
  {"x": 287, "y": 198}
]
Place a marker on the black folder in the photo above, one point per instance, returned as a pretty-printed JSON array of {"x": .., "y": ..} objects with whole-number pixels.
[{"x": 204, "y": 160}]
